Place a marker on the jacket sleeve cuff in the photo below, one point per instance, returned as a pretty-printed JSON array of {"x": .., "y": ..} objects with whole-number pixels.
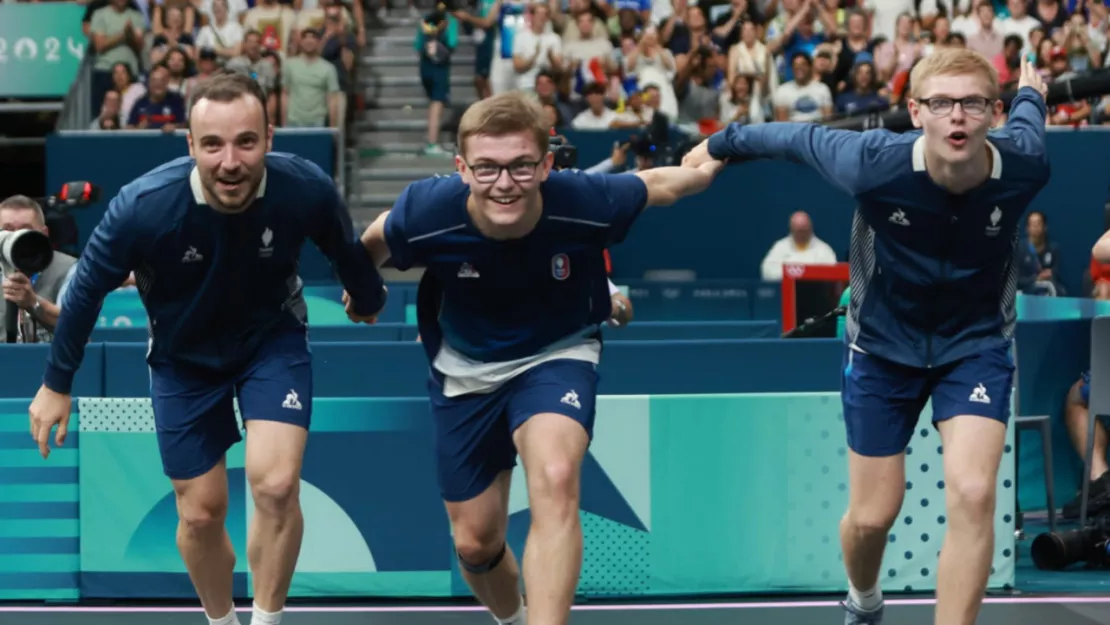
[{"x": 57, "y": 380}]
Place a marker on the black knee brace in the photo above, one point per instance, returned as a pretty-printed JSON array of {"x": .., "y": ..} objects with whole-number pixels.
[{"x": 479, "y": 569}]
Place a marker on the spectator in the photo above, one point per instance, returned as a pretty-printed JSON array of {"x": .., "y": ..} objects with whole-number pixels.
[
  {"x": 124, "y": 82},
  {"x": 636, "y": 114},
  {"x": 234, "y": 10},
  {"x": 223, "y": 34},
  {"x": 1036, "y": 230},
  {"x": 180, "y": 69},
  {"x": 274, "y": 22},
  {"x": 685, "y": 35},
  {"x": 1071, "y": 113},
  {"x": 1050, "y": 13},
  {"x": 339, "y": 48},
  {"x": 536, "y": 48},
  {"x": 597, "y": 116},
  {"x": 117, "y": 37},
  {"x": 314, "y": 18},
  {"x": 941, "y": 30},
  {"x": 751, "y": 58},
  {"x": 311, "y": 97},
  {"x": 109, "y": 118},
  {"x": 174, "y": 36},
  {"x": 1008, "y": 63},
  {"x": 485, "y": 26},
  {"x": 1020, "y": 23},
  {"x": 727, "y": 23},
  {"x": 737, "y": 104},
  {"x": 436, "y": 40},
  {"x": 252, "y": 63},
  {"x": 865, "y": 93},
  {"x": 160, "y": 108},
  {"x": 856, "y": 42},
  {"x": 801, "y": 35},
  {"x": 590, "y": 58},
  {"x": 697, "y": 91},
  {"x": 823, "y": 67},
  {"x": 35, "y": 296},
  {"x": 548, "y": 93},
  {"x": 159, "y": 16},
  {"x": 989, "y": 37},
  {"x": 802, "y": 99},
  {"x": 207, "y": 64},
  {"x": 1076, "y": 419},
  {"x": 801, "y": 246},
  {"x": 898, "y": 55},
  {"x": 652, "y": 64},
  {"x": 95, "y": 5}
]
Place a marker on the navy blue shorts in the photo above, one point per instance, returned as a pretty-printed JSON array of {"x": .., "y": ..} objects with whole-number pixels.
[
  {"x": 474, "y": 432},
  {"x": 883, "y": 400},
  {"x": 483, "y": 54},
  {"x": 436, "y": 80},
  {"x": 194, "y": 413}
]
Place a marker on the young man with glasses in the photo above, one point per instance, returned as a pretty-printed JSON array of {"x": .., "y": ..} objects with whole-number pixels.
[
  {"x": 932, "y": 305},
  {"x": 510, "y": 307}
]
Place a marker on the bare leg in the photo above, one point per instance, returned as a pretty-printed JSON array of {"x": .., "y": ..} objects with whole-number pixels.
[
  {"x": 972, "y": 454},
  {"x": 552, "y": 448},
  {"x": 876, "y": 489},
  {"x": 273, "y": 463},
  {"x": 486, "y": 562},
  {"x": 203, "y": 540}
]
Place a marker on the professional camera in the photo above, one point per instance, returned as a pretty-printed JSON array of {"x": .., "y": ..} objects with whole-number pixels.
[
  {"x": 25, "y": 251},
  {"x": 566, "y": 155},
  {"x": 1056, "y": 551}
]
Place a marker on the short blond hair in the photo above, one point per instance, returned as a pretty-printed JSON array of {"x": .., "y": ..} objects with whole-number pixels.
[
  {"x": 505, "y": 114},
  {"x": 953, "y": 62}
]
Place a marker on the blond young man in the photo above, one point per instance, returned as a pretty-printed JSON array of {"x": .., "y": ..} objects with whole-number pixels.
[{"x": 932, "y": 314}]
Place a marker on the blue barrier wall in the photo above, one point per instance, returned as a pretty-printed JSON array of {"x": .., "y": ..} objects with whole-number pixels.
[
  {"x": 113, "y": 160},
  {"x": 725, "y": 232}
]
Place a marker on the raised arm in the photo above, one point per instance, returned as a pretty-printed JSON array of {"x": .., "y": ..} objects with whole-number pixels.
[
  {"x": 667, "y": 185},
  {"x": 113, "y": 251},
  {"x": 356, "y": 269}
]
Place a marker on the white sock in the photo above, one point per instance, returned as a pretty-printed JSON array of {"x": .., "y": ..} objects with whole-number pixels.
[
  {"x": 868, "y": 601},
  {"x": 230, "y": 619},
  {"x": 520, "y": 618},
  {"x": 262, "y": 617}
]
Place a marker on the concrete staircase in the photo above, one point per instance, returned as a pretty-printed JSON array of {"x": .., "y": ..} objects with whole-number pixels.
[{"x": 390, "y": 134}]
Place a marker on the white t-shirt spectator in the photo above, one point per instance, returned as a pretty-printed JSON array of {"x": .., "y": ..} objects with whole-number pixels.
[
  {"x": 586, "y": 49},
  {"x": 817, "y": 252},
  {"x": 586, "y": 120},
  {"x": 235, "y": 9},
  {"x": 227, "y": 36},
  {"x": 807, "y": 103},
  {"x": 525, "y": 43}
]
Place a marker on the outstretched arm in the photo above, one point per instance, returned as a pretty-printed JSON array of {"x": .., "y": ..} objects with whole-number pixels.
[
  {"x": 667, "y": 185},
  {"x": 840, "y": 156},
  {"x": 335, "y": 237}
]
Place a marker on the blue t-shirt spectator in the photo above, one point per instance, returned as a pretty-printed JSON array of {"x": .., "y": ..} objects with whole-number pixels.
[{"x": 154, "y": 114}]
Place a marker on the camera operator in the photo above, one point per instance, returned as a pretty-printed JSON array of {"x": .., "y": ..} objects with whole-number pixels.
[{"x": 37, "y": 295}]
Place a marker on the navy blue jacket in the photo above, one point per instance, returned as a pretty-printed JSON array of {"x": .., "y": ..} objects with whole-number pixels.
[
  {"x": 933, "y": 274},
  {"x": 215, "y": 286}
]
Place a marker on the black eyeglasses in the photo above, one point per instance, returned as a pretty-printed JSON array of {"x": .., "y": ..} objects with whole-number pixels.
[
  {"x": 519, "y": 171},
  {"x": 972, "y": 105}
]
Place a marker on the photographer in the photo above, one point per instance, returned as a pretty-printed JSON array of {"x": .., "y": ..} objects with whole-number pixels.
[{"x": 37, "y": 295}]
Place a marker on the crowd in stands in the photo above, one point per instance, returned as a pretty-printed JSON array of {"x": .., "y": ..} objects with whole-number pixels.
[
  {"x": 150, "y": 53},
  {"x": 601, "y": 64}
]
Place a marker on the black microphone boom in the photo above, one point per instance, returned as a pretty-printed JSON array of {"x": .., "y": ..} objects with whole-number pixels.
[{"x": 1090, "y": 85}]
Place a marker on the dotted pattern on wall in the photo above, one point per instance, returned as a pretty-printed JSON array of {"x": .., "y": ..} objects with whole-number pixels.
[
  {"x": 106, "y": 414},
  {"x": 819, "y": 473},
  {"x": 615, "y": 558}
]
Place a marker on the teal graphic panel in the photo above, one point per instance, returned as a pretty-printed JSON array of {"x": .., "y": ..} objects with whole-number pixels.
[
  {"x": 39, "y": 545},
  {"x": 124, "y": 309},
  {"x": 680, "y": 495},
  {"x": 41, "y": 47}
]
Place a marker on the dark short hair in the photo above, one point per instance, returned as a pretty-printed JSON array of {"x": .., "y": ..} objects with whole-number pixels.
[{"x": 228, "y": 86}]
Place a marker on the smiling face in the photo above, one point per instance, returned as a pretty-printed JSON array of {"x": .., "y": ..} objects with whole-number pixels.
[
  {"x": 504, "y": 159},
  {"x": 229, "y": 142}
]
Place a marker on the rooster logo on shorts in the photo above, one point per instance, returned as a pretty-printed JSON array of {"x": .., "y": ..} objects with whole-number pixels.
[{"x": 560, "y": 266}]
